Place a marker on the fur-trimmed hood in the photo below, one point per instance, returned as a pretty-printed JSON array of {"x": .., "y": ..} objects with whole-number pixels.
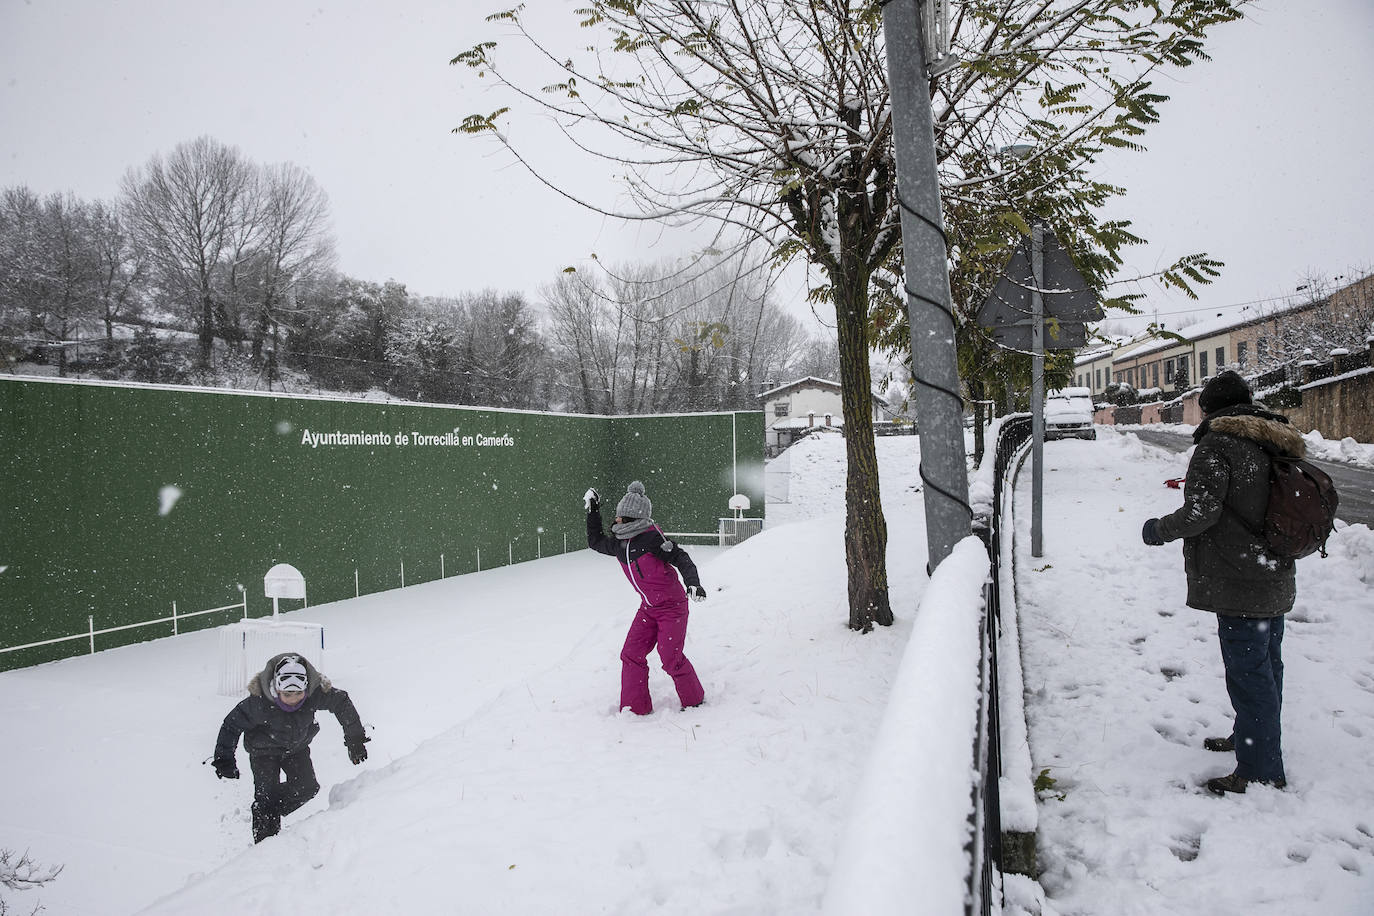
[
  {"x": 1273, "y": 432},
  {"x": 261, "y": 683}
]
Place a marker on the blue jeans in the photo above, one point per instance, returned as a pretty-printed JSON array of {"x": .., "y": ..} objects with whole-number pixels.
[{"x": 1252, "y": 651}]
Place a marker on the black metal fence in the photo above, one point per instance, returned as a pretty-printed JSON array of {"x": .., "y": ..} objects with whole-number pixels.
[{"x": 986, "y": 819}]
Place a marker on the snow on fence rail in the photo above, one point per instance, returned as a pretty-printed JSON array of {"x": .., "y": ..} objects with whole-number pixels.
[
  {"x": 889, "y": 859},
  {"x": 91, "y": 632}
]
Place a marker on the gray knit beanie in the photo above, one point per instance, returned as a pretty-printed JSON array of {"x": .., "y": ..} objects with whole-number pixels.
[{"x": 634, "y": 504}]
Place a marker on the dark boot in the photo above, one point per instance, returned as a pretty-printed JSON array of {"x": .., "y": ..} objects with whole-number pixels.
[
  {"x": 265, "y": 823},
  {"x": 1233, "y": 782},
  {"x": 1225, "y": 745}
]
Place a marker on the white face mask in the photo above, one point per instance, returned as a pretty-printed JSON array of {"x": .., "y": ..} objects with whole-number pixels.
[{"x": 287, "y": 683}]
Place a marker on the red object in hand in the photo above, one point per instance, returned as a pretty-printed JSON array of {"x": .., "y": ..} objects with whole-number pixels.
[{"x": 1175, "y": 483}]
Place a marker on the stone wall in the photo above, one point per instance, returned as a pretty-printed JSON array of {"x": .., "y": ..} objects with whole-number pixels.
[{"x": 1338, "y": 398}]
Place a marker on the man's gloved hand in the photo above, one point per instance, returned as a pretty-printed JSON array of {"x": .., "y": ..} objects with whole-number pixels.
[
  {"x": 225, "y": 768},
  {"x": 696, "y": 593},
  {"x": 1150, "y": 533},
  {"x": 356, "y": 752},
  {"x": 592, "y": 501}
]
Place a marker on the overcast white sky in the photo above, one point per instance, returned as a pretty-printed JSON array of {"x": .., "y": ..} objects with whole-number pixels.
[{"x": 1262, "y": 159}]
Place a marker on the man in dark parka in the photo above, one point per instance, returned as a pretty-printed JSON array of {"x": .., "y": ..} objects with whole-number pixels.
[{"x": 1230, "y": 571}]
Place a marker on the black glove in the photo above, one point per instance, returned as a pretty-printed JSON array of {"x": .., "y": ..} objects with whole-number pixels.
[
  {"x": 592, "y": 501},
  {"x": 225, "y": 768},
  {"x": 1150, "y": 533},
  {"x": 356, "y": 752},
  {"x": 696, "y": 593}
]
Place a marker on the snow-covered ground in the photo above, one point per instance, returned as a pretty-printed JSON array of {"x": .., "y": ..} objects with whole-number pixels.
[
  {"x": 1124, "y": 681},
  {"x": 501, "y": 779}
]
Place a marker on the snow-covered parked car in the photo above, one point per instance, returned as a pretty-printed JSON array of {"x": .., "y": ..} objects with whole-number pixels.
[{"x": 1069, "y": 413}]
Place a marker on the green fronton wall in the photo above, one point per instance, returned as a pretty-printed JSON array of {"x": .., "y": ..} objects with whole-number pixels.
[{"x": 119, "y": 500}]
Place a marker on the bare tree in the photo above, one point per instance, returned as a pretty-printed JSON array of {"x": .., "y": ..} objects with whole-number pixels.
[
  {"x": 576, "y": 311},
  {"x": 18, "y": 872},
  {"x": 506, "y": 353},
  {"x": 646, "y": 338},
  {"x": 731, "y": 338},
  {"x": 72, "y": 269},
  {"x": 819, "y": 358},
  {"x": 644, "y": 302},
  {"x": 1328, "y": 315},
  {"x": 294, "y": 245},
  {"x": 49, "y": 270},
  {"x": 608, "y": 339},
  {"x": 21, "y": 256},
  {"x": 187, "y": 212},
  {"x": 122, "y": 269}
]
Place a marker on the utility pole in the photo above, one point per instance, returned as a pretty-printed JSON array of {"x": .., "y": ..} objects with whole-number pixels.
[
  {"x": 1037, "y": 386},
  {"x": 934, "y": 360}
]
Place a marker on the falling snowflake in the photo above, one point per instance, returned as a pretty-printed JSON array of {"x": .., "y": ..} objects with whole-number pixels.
[{"x": 167, "y": 498}]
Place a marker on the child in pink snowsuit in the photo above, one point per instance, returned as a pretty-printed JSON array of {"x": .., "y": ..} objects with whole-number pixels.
[{"x": 648, "y": 559}]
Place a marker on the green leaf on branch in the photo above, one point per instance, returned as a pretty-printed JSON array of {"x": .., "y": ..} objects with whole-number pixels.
[
  {"x": 512, "y": 15},
  {"x": 476, "y": 124},
  {"x": 1014, "y": 220},
  {"x": 475, "y": 56}
]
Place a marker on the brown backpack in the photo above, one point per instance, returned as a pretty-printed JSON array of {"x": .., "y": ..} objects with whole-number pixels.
[{"x": 1302, "y": 508}]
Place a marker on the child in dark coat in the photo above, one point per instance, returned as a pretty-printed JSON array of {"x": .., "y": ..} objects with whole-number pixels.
[
  {"x": 651, "y": 562},
  {"x": 277, "y": 721}
]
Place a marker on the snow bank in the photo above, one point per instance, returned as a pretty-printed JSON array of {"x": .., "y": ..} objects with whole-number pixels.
[{"x": 904, "y": 847}]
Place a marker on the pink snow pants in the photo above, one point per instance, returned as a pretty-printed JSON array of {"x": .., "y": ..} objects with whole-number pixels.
[{"x": 665, "y": 626}]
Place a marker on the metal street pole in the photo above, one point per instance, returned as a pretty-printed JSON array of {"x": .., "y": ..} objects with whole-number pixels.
[
  {"x": 934, "y": 360},
  {"x": 1037, "y": 385}
]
